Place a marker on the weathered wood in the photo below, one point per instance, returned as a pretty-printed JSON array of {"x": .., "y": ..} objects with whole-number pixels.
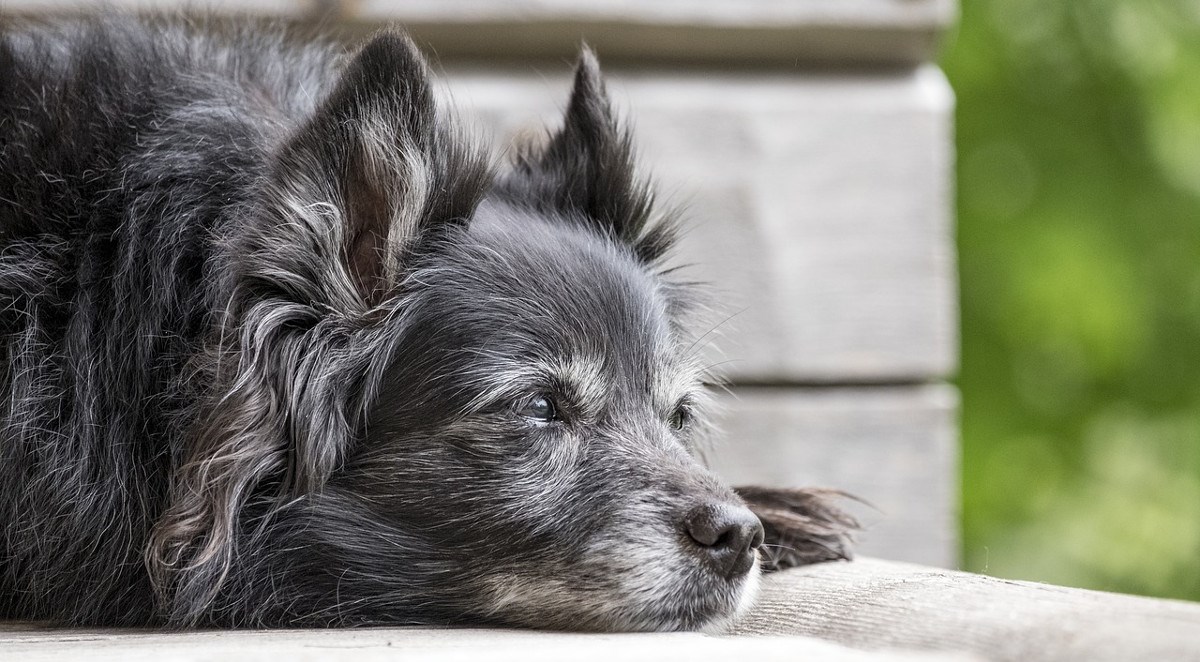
[
  {"x": 719, "y": 31},
  {"x": 820, "y": 203},
  {"x": 290, "y": 9},
  {"x": 712, "y": 30},
  {"x": 874, "y": 604},
  {"x": 819, "y": 207},
  {"x": 811, "y": 613},
  {"x": 29, "y": 643},
  {"x": 893, "y": 447}
]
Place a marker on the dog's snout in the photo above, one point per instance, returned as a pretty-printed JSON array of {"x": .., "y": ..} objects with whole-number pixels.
[{"x": 725, "y": 536}]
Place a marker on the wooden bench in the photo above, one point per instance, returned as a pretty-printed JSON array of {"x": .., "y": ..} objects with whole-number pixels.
[
  {"x": 865, "y": 611},
  {"x": 809, "y": 142}
]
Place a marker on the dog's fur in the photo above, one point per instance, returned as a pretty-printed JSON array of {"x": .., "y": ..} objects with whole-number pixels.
[{"x": 270, "y": 327}]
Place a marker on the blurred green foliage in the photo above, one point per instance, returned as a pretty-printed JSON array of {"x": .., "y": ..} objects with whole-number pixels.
[{"x": 1079, "y": 237}]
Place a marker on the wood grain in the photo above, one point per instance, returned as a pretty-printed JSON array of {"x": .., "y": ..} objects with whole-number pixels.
[
  {"x": 873, "y": 604},
  {"x": 714, "y": 31},
  {"x": 719, "y": 31},
  {"x": 818, "y": 208},
  {"x": 31, "y": 643},
  {"x": 893, "y": 447}
]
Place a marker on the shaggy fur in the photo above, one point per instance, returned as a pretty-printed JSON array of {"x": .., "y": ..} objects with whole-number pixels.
[{"x": 279, "y": 347}]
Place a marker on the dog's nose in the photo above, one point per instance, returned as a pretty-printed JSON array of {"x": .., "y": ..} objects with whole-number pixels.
[{"x": 725, "y": 536}]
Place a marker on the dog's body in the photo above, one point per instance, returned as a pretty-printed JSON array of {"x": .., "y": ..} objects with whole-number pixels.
[{"x": 279, "y": 348}]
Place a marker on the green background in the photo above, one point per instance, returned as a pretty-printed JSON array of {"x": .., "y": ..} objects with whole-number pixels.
[{"x": 1078, "y": 138}]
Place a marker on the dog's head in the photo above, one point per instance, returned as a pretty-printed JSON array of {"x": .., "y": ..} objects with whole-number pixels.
[{"x": 450, "y": 394}]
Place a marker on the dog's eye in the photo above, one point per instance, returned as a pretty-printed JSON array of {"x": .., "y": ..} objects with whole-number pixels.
[
  {"x": 541, "y": 409},
  {"x": 679, "y": 418}
]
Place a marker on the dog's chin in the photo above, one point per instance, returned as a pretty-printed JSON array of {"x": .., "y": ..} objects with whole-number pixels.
[
  {"x": 747, "y": 597},
  {"x": 683, "y": 600},
  {"x": 705, "y": 603}
]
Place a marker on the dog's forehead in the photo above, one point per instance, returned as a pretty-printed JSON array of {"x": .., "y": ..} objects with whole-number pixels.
[{"x": 555, "y": 295}]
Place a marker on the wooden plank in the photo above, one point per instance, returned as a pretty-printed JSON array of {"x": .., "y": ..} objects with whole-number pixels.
[
  {"x": 818, "y": 206},
  {"x": 820, "y": 202},
  {"x": 894, "y": 447},
  {"x": 711, "y": 30},
  {"x": 30, "y": 643},
  {"x": 289, "y": 9},
  {"x": 726, "y": 13},
  {"x": 719, "y": 31},
  {"x": 876, "y": 605}
]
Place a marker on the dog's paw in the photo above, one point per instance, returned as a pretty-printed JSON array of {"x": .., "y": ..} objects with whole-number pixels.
[{"x": 802, "y": 526}]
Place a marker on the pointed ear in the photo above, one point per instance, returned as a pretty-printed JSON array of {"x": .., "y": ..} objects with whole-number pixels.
[
  {"x": 348, "y": 196},
  {"x": 587, "y": 170},
  {"x": 375, "y": 169}
]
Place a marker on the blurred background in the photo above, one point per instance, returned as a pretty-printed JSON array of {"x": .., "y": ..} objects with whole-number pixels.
[{"x": 1078, "y": 138}]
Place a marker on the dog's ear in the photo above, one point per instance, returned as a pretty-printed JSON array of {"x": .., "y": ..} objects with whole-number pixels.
[
  {"x": 371, "y": 173},
  {"x": 586, "y": 170},
  {"x": 801, "y": 526},
  {"x": 353, "y": 192}
]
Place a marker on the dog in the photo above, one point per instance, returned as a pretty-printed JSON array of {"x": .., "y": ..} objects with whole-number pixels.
[{"x": 282, "y": 346}]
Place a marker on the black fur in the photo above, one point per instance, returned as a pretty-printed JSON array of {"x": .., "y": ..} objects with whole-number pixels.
[{"x": 271, "y": 328}]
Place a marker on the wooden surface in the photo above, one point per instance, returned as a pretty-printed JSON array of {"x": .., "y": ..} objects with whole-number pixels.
[
  {"x": 874, "y": 604},
  {"x": 817, "y": 207},
  {"x": 723, "y": 31},
  {"x": 32, "y": 644},
  {"x": 818, "y": 197},
  {"x": 868, "y": 611},
  {"x": 893, "y": 447},
  {"x": 818, "y": 211}
]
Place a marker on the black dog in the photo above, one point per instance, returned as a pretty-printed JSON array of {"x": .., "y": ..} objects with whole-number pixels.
[{"x": 280, "y": 348}]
